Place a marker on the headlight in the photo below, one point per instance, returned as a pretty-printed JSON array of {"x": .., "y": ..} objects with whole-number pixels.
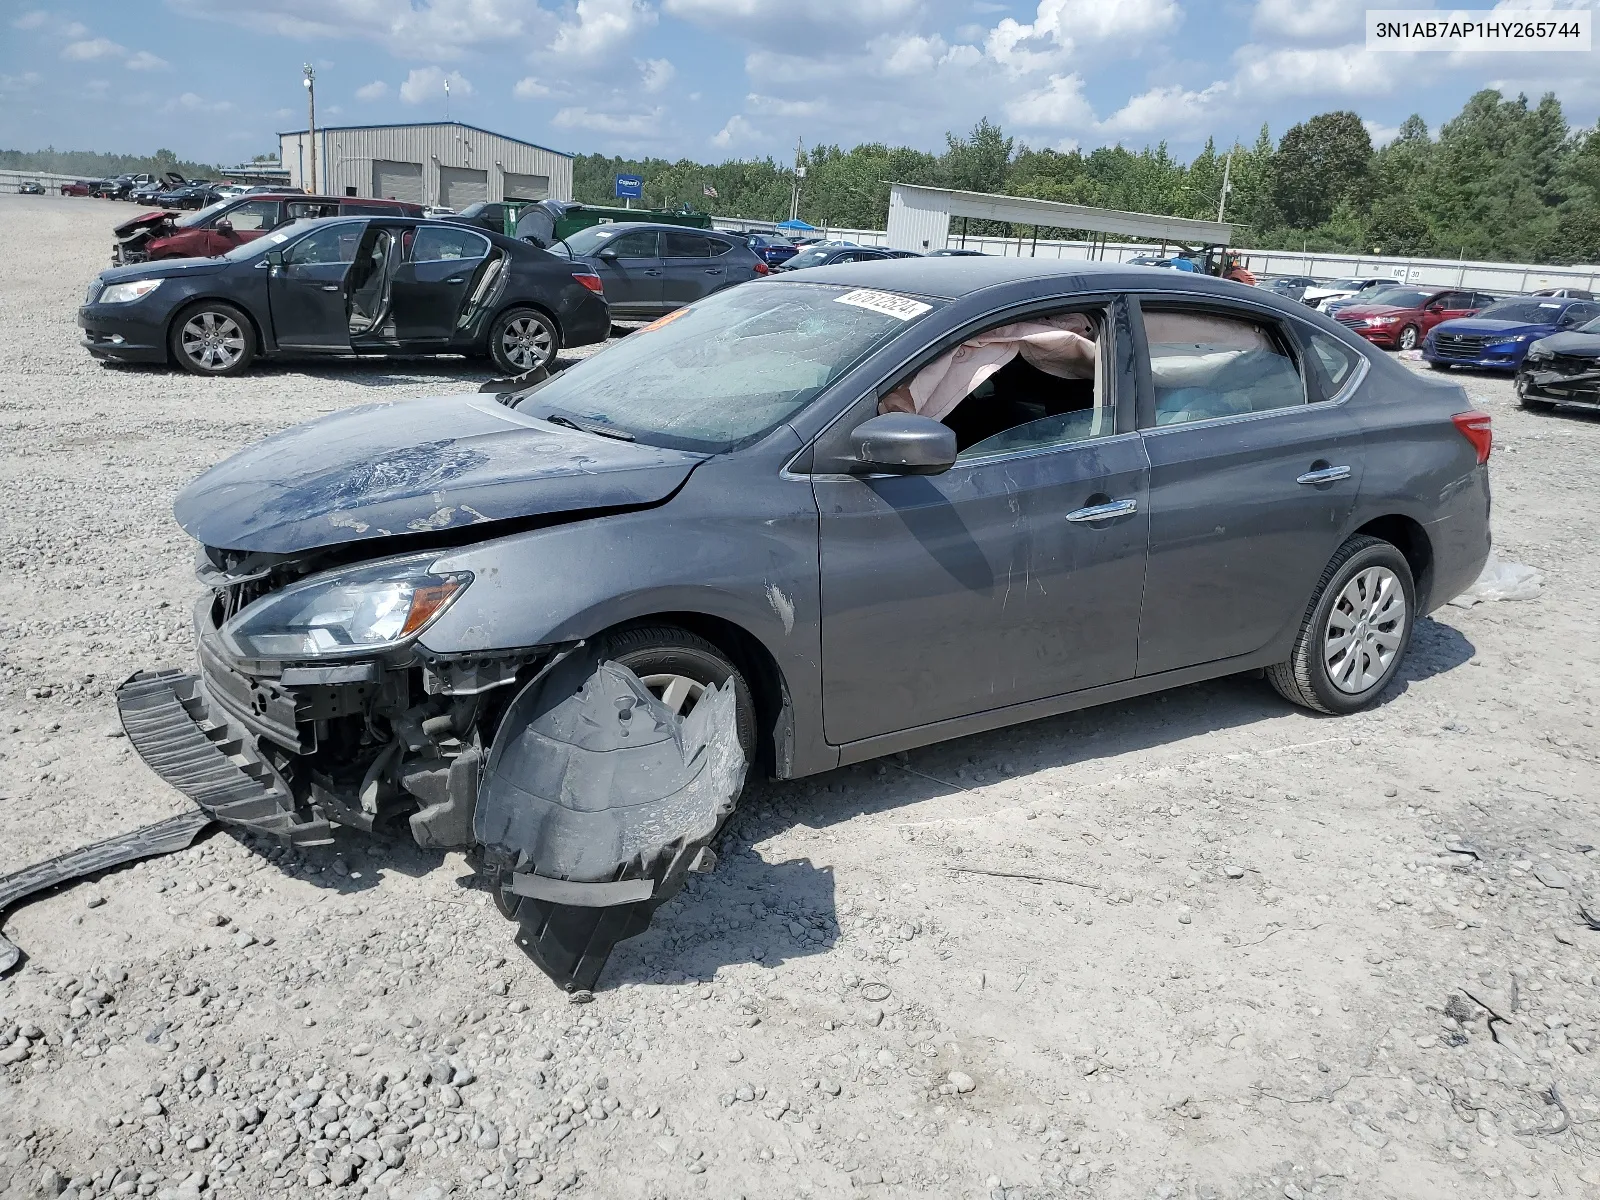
[
  {"x": 1515, "y": 340},
  {"x": 121, "y": 293},
  {"x": 1382, "y": 320},
  {"x": 354, "y": 612}
]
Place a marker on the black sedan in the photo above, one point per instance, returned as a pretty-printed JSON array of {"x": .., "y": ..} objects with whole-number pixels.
[
  {"x": 829, "y": 254},
  {"x": 30, "y": 187},
  {"x": 340, "y": 286},
  {"x": 652, "y": 269},
  {"x": 845, "y": 513}
]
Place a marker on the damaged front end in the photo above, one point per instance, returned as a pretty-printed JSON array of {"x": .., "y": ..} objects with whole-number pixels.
[
  {"x": 580, "y": 795},
  {"x": 134, "y": 237}
]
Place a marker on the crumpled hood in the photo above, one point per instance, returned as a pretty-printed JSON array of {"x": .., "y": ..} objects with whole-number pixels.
[
  {"x": 415, "y": 467},
  {"x": 1579, "y": 345},
  {"x": 143, "y": 221}
]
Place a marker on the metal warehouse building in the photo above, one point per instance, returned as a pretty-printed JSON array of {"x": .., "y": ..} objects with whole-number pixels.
[{"x": 448, "y": 163}]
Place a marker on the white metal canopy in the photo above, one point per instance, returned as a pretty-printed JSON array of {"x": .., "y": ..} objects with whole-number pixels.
[{"x": 919, "y": 218}]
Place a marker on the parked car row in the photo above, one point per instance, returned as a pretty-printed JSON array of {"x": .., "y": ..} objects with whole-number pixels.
[{"x": 227, "y": 223}]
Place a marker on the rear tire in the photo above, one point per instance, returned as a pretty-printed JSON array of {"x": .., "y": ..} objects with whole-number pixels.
[
  {"x": 569, "y": 943},
  {"x": 521, "y": 339},
  {"x": 212, "y": 338},
  {"x": 1408, "y": 338},
  {"x": 1355, "y": 633}
]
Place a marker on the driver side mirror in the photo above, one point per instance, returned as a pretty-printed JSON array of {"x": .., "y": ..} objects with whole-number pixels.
[
  {"x": 609, "y": 254},
  {"x": 1435, "y": 306},
  {"x": 223, "y": 225},
  {"x": 903, "y": 444}
]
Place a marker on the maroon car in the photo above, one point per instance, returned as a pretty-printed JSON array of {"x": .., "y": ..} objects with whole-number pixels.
[
  {"x": 1398, "y": 318},
  {"x": 78, "y": 187},
  {"x": 220, "y": 227}
]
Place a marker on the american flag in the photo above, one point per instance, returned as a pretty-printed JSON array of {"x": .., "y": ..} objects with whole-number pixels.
[{"x": 709, "y": 191}]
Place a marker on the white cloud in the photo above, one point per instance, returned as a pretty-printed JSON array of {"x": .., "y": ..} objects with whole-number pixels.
[
  {"x": 1381, "y": 135},
  {"x": 1168, "y": 110},
  {"x": 601, "y": 25},
  {"x": 785, "y": 108},
  {"x": 914, "y": 55},
  {"x": 95, "y": 48},
  {"x": 440, "y": 29},
  {"x": 1307, "y": 18},
  {"x": 427, "y": 83},
  {"x": 16, "y": 84},
  {"x": 190, "y": 102},
  {"x": 143, "y": 60},
  {"x": 629, "y": 124},
  {"x": 1058, "y": 26},
  {"x": 376, "y": 90},
  {"x": 1060, "y": 102},
  {"x": 529, "y": 88},
  {"x": 31, "y": 20},
  {"x": 736, "y": 130},
  {"x": 1334, "y": 71},
  {"x": 657, "y": 73}
]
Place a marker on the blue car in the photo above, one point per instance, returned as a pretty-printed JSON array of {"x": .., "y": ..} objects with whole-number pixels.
[
  {"x": 1499, "y": 335},
  {"x": 773, "y": 249}
]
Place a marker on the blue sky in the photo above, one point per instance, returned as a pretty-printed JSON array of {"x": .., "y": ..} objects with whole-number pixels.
[{"x": 215, "y": 80}]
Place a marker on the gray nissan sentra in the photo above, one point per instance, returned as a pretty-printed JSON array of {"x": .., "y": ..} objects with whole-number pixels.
[{"x": 802, "y": 523}]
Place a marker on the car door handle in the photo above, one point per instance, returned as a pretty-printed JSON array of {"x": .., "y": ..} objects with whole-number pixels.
[
  {"x": 713, "y": 270},
  {"x": 456, "y": 279},
  {"x": 653, "y": 271},
  {"x": 330, "y": 287},
  {"x": 1324, "y": 475},
  {"x": 1103, "y": 512}
]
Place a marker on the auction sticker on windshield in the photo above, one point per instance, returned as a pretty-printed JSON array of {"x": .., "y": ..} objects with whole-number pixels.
[{"x": 890, "y": 305}]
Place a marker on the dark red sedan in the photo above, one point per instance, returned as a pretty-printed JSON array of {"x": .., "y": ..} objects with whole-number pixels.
[
  {"x": 1398, "y": 318},
  {"x": 78, "y": 187}
]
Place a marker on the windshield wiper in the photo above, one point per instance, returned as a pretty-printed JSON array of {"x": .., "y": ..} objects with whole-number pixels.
[{"x": 596, "y": 427}]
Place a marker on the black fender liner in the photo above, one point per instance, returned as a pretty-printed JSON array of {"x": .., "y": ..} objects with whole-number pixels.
[{"x": 592, "y": 782}]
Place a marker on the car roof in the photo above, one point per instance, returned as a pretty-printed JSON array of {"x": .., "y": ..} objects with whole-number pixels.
[
  {"x": 665, "y": 226},
  {"x": 950, "y": 277}
]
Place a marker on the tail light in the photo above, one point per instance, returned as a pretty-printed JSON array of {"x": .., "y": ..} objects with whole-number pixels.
[
  {"x": 591, "y": 281},
  {"x": 1476, "y": 428},
  {"x": 762, "y": 268}
]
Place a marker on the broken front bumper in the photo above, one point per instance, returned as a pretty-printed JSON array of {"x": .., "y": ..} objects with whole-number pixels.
[
  {"x": 185, "y": 737},
  {"x": 1563, "y": 383}
]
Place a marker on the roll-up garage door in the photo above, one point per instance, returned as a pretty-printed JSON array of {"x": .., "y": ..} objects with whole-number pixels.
[
  {"x": 527, "y": 187},
  {"x": 397, "y": 181},
  {"x": 461, "y": 186}
]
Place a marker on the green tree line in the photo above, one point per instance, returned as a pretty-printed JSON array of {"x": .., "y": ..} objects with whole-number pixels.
[
  {"x": 1501, "y": 180},
  {"x": 91, "y": 164}
]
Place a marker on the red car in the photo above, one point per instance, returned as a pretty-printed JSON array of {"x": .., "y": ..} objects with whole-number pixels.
[
  {"x": 220, "y": 227},
  {"x": 78, "y": 187},
  {"x": 1398, "y": 318}
]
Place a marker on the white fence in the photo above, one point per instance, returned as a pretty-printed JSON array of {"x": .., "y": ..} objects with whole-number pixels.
[
  {"x": 52, "y": 183},
  {"x": 1490, "y": 276}
]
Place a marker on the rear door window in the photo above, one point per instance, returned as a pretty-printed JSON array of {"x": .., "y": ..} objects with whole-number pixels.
[
  {"x": 438, "y": 243},
  {"x": 1205, "y": 365}
]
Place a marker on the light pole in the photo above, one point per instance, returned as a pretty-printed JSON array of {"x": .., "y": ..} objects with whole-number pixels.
[{"x": 310, "y": 82}]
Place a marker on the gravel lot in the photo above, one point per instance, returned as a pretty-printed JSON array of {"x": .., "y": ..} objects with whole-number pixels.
[{"x": 1245, "y": 974}]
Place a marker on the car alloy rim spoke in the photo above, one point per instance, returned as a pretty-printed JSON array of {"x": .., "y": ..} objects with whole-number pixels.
[
  {"x": 1364, "y": 630},
  {"x": 678, "y": 692}
]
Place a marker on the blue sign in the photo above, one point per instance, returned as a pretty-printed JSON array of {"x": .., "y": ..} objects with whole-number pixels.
[{"x": 630, "y": 187}]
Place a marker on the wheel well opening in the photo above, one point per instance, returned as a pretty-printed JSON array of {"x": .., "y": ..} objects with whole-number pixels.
[
  {"x": 774, "y": 715},
  {"x": 1408, "y": 537}
]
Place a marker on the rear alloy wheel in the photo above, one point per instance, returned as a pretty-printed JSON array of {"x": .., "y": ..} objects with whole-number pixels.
[
  {"x": 1408, "y": 338},
  {"x": 523, "y": 339},
  {"x": 1355, "y": 632},
  {"x": 213, "y": 339}
]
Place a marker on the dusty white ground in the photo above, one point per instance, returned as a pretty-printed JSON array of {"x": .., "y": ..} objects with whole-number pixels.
[{"x": 1250, "y": 984}]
